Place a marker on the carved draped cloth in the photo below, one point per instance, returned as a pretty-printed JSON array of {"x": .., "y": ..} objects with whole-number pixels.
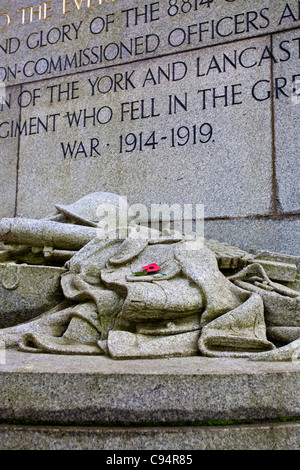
[{"x": 190, "y": 307}]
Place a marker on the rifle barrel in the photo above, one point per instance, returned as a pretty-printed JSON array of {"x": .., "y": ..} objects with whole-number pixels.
[{"x": 45, "y": 233}]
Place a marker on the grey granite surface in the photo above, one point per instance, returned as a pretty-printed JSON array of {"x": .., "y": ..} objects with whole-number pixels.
[{"x": 98, "y": 389}]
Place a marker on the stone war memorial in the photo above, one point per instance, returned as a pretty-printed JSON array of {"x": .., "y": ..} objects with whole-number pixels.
[{"x": 150, "y": 225}]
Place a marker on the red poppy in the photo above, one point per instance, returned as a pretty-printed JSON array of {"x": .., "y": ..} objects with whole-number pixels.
[{"x": 151, "y": 268}]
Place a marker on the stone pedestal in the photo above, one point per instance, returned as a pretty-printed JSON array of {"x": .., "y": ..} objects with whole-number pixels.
[{"x": 92, "y": 403}]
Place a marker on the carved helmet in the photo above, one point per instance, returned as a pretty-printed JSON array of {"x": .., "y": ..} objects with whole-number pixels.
[{"x": 90, "y": 209}]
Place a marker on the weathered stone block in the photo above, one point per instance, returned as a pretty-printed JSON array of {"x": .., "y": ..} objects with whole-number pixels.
[
  {"x": 63, "y": 37},
  {"x": 9, "y": 113},
  {"x": 74, "y": 389},
  {"x": 258, "y": 234},
  {"x": 186, "y": 129},
  {"x": 263, "y": 436},
  {"x": 287, "y": 114}
]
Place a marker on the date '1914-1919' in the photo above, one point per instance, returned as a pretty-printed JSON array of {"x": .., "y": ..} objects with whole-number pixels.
[{"x": 178, "y": 137}]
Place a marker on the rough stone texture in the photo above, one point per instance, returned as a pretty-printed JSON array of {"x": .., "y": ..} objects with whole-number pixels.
[
  {"x": 275, "y": 234},
  {"x": 98, "y": 389},
  {"x": 287, "y": 114},
  {"x": 163, "y": 30},
  {"x": 227, "y": 174},
  {"x": 123, "y": 344},
  {"x": 94, "y": 390},
  {"x": 244, "y": 437},
  {"x": 27, "y": 291},
  {"x": 41, "y": 233},
  {"x": 192, "y": 304},
  {"x": 9, "y": 111}
]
